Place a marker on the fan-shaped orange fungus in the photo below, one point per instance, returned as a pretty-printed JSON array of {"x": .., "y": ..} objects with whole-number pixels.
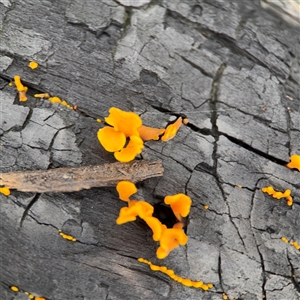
[
  {"x": 5, "y": 191},
  {"x": 33, "y": 65},
  {"x": 295, "y": 162},
  {"x": 148, "y": 133},
  {"x": 139, "y": 208},
  {"x": 171, "y": 130},
  {"x": 134, "y": 147},
  {"x": 172, "y": 275},
  {"x": 126, "y": 189},
  {"x": 278, "y": 195},
  {"x": 180, "y": 205},
  {"x": 21, "y": 88},
  {"x": 110, "y": 139},
  {"x": 170, "y": 239},
  {"x": 126, "y": 122}
]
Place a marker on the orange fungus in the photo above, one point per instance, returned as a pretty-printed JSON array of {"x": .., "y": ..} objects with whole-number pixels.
[
  {"x": 126, "y": 189},
  {"x": 171, "y": 130},
  {"x": 134, "y": 147},
  {"x": 110, "y": 139},
  {"x": 180, "y": 205},
  {"x": 295, "y": 162},
  {"x": 126, "y": 122},
  {"x": 149, "y": 133}
]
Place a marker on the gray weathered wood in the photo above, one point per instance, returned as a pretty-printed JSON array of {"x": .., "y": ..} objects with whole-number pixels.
[{"x": 231, "y": 67}]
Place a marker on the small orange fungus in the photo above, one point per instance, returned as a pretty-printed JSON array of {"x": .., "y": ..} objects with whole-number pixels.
[
  {"x": 170, "y": 239},
  {"x": 111, "y": 140},
  {"x": 149, "y": 133},
  {"x": 206, "y": 207},
  {"x": 224, "y": 296},
  {"x": 134, "y": 147},
  {"x": 123, "y": 121},
  {"x": 185, "y": 281},
  {"x": 21, "y": 88},
  {"x": 295, "y": 162},
  {"x": 140, "y": 208},
  {"x": 62, "y": 102},
  {"x": 98, "y": 120},
  {"x": 126, "y": 189},
  {"x": 284, "y": 239},
  {"x": 10, "y": 84},
  {"x": 278, "y": 195},
  {"x": 66, "y": 236},
  {"x": 5, "y": 191},
  {"x": 14, "y": 288},
  {"x": 171, "y": 130},
  {"x": 180, "y": 205},
  {"x": 33, "y": 65},
  {"x": 44, "y": 95},
  {"x": 295, "y": 244}
]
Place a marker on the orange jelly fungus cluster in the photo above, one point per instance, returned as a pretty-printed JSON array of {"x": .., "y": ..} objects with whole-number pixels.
[
  {"x": 294, "y": 162},
  {"x": 5, "y": 191},
  {"x": 172, "y": 275},
  {"x": 293, "y": 243},
  {"x": 30, "y": 296},
  {"x": 169, "y": 238},
  {"x": 126, "y": 134},
  {"x": 33, "y": 65},
  {"x": 21, "y": 88},
  {"x": 278, "y": 195}
]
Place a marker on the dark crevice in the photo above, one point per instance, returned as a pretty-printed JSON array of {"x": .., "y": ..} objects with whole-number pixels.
[
  {"x": 196, "y": 67},
  {"x": 256, "y": 151},
  {"x": 264, "y": 275},
  {"x": 204, "y": 131},
  {"x": 220, "y": 271},
  {"x": 31, "y": 203}
]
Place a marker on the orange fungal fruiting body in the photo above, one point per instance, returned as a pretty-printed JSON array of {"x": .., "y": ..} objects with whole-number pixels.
[
  {"x": 5, "y": 191},
  {"x": 44, "y": 95},
  {"x": 126, "y": 189},
  {"x": 180, "y": 205},
  {"x": 171, "y": 130},
  {"x": 33, "y": 65},
  {"x": 149, "y": 133},
  {"x": 278, "y": 195},
  {"x": 185, "y": 281},
  {"x": 295, "y": 162},
  {"x": 21, "y": 88},
  {"x": 169, "y": 238},
  {"x": 66, "y": 236},
  {"x": 113, "y": 139}
]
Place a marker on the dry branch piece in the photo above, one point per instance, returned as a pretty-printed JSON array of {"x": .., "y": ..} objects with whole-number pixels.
[{"x": 76, "y": 179}]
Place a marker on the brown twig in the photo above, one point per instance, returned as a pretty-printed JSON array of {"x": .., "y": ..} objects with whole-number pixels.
[{"x": 76, "y": 179}]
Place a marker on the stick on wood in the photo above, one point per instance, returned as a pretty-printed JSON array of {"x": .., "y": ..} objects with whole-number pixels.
[{"x": 76, "y": 179}]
